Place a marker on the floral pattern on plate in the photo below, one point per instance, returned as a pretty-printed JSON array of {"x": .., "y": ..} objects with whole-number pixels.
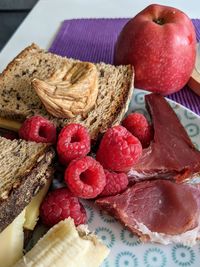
[{"x": 126, "y": 249}]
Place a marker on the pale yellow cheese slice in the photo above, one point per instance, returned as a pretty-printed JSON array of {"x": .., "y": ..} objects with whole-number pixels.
[
  {"x": 33, "y": 209},
  {"x": 12, "y": 238},
  {"x": 12, "y": 242},
  {"x": 10, "y": 124}
]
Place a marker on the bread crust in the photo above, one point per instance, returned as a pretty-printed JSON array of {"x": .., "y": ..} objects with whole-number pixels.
[
  {"x": 21, "y": 55},
  {"x": 127, "y": 99}
]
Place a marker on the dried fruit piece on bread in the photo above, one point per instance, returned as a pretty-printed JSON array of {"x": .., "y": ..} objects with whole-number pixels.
[{"x": 18, "y": 99}]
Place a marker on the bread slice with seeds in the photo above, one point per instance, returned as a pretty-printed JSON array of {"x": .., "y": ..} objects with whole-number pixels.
[
  {"x": 25, "y": 169},
  {"x": 18, "y": 99}
]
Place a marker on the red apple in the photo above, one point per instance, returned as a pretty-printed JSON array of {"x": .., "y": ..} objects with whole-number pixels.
[{"x": 160, "y": 42}]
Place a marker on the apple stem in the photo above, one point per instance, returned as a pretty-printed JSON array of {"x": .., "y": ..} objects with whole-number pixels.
[{"x": 159, "y": 21}]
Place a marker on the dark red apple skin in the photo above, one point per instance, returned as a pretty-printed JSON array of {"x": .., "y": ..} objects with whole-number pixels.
[{"x": 163, "y": 55}]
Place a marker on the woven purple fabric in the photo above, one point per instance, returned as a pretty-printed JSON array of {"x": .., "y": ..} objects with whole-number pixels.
[{"x": 93, "y": 40}]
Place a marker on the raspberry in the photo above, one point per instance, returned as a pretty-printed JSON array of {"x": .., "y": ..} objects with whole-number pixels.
[
  {"x": 85, "y": 177},
  {"x": 119, "y": 150},
  {"x": 115, "y": 183},
  {"x": 138, "y": 125},
  {"x": 59, "y": 205},
  {"x": 73, "y": 143},
  {"x": 38, "y": 129}
]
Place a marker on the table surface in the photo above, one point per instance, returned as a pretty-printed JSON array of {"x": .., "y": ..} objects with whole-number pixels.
[{"x": 43, "y": 22}]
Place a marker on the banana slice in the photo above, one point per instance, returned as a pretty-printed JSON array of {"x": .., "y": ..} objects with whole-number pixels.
[{"x": 64, "y": 245}]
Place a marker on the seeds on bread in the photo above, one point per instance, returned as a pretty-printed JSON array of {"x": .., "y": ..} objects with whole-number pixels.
[
  {"x": 25, "y": 168},
  {"x": 19, "y": 101}
]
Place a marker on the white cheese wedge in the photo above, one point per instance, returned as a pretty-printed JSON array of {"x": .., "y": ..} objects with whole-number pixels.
[
  {"x": 12, "y": 242},
  {"x": 65, "y": 246},
  {"x": 33, "y": 209},
  {"x": 12, "y": 238}
]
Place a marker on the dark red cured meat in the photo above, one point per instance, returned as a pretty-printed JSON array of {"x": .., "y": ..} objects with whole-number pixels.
[
  {"x": 161, "y": 205},
  {"x": 171, "y": 154}
]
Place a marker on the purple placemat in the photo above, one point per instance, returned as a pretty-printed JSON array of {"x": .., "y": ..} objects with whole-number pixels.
[{"x": 93, "y": 40}]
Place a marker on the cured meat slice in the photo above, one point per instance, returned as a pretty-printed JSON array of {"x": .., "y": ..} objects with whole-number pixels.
[
  {"x": 171, "y": 154},
  {"x": 158, "y": 210}
]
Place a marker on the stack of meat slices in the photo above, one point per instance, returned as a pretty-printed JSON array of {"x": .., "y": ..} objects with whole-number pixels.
[{"x": 160, "y": 206}]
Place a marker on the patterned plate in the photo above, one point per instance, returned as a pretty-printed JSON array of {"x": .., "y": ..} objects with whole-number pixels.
[{"x": 126, "y": 248}]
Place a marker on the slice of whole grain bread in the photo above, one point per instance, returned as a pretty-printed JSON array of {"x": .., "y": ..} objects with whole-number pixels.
[
  {"x": 18, "y": 99},
  {"x": 25, "y": 168}
]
